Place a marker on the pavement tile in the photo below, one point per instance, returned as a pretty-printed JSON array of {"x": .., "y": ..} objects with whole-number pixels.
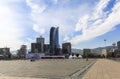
[{"x": 104, "y": 69}]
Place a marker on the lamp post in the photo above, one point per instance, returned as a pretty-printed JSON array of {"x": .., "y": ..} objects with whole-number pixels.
[
  {"x": 114, "y": 44},
  {"x": 105, "y": 51},
  {"x": 105, "y": 42}
]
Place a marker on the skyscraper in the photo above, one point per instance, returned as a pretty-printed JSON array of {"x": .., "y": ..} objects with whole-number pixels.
[
  {"x": 118, "y": 45},
  {"x": 54, "y": 41},
  {"x": 41, "y": 42},
  {"x": 38, "y": 47}
]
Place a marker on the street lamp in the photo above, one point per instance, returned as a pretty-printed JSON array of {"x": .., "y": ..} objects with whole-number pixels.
[
  {"x": 105, "y": 42},
  {"x": 105, "y": 50},
  {"x": 113, "y": 51}
]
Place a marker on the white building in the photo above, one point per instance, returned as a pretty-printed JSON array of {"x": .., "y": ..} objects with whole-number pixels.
[{"x": 104, "y": 52}]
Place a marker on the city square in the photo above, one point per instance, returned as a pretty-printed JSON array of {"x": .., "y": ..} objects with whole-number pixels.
[
  {"x": 60, "y": 69},
  {"x": 59, "y": 39},
  {"x": 47, "y": 68}
]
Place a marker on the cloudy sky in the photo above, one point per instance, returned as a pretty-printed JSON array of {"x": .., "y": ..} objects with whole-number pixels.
[{"x": 84, "y": 23}]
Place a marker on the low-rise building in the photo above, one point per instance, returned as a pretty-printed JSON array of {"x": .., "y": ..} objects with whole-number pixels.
[
  {"x": 5, "y": 53},
  {"x": 22, "y": 51}
]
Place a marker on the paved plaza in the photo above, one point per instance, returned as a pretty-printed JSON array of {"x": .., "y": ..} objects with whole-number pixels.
[
  {"x": 9, "y": 77},
  {"x": 104, "y": 69},
  {"x": 42, "y": 69},
  {"x": 60, "y": 69}
]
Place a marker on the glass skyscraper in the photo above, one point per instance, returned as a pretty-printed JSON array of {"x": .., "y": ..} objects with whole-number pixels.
[{"x": 54, "y": 41}]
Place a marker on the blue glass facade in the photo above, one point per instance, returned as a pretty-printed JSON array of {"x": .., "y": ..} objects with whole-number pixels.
[{"x": 54, "y": 41}]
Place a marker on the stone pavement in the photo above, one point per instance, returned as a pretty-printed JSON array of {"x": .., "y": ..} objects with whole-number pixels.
[
  {"x": 46, "y": 68},
  {"x": 8, "y": 77},
  {"x": 104, "y": 69}
]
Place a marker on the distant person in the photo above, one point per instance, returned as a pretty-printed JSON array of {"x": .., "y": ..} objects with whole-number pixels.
[{"x": 32, "y": 59}]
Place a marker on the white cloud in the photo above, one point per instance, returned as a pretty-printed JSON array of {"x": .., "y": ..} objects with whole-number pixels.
[
  {"x": 66, "y": 38},
  {"x": 97, "y": 23},
  {"x": 10, "y": 31},
  {"x": 55, "y": 15},
  {"x": 81, "y": 25},
  {"x": 98, "y": 12},
  {"x": 38, "y": 29},
  {"x": 36, "y": 8},
  {"x": 15, "y": 24},
  {"x": 55, "y": 1}
]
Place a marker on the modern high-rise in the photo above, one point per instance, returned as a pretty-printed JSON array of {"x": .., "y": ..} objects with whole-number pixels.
[
  {"x": 35, "y": 48},
  {"x": 118, "y": 45},
  {"x": 40, "y": 41},
  {"x": 46, "y": 49},
  {"x": 54, "y": 41},
  {"x": 38, "y": 47},
  {"x": 66, "y": 48}
]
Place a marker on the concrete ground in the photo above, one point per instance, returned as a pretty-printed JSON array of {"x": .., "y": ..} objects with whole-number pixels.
[
  {"x": 47, "y": 68},
  {"x": 104, "y": 69},
  {"x": 8, "y": 77}
]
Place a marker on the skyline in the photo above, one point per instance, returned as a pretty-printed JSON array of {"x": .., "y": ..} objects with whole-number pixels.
[{"x": 83, "y": 23}]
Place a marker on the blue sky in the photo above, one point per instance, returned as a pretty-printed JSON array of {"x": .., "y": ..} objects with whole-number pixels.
[{"x": 84, "y": 23}]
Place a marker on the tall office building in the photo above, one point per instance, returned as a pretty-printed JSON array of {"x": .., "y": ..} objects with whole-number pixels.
[
  {"x": 54, "y": 41},
  {"x": 66, "y": 48},
  {"x": 86, "y": 52},
  {"x": 22, "y": 51},
  {"x": 46, "y": 49},
  {"x": 41, "y": 42},
  {"x": 35, "y": 48},
  {"x": 38, "y": 47},
  {"x": 118, "y": 45}
]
